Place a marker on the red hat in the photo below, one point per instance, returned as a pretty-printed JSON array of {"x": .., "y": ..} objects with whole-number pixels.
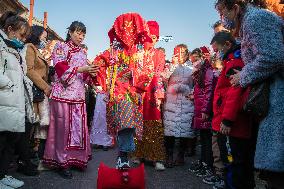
[
  {"x": 204, "y": 50},
  {"x": 154, "y": 28},
  {"x": 130, "y": 29}
]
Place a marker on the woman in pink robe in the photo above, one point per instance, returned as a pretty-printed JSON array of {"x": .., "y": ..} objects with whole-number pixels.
[{"x": 68, "y": 143}]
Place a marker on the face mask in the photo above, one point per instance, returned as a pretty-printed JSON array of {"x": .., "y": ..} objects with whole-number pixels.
[
  {"x": 228, "y": 24},
  {"x": 42, "y": 44},
  {"x": 17, "y": 43},
  {"x": 238, "y": 40}
]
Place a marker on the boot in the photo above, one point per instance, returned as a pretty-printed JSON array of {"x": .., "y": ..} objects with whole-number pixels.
[
  {"x": 65, "y": 173},
  {"x": 192, "y": 147},
  {"x": 170, "y": 158},
  {"x": 27, "y": 168},
  {"x": 183, "y": 144},
  {"x": 180, "y": 159}
]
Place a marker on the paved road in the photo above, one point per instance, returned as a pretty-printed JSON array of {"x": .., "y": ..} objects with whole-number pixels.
[{"x": 177, "y": 178}]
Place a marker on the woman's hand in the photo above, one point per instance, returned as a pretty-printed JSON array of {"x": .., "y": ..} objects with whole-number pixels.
[
  {"x": 190, "y": 97},
  {"x": 224, "y": 129},
  {"x": 159, "y": 103},
  {"x": 91, "y": 69},
  {"x": 235, "y": 79},
  {"x": 47, "y": 91},
  {"x": 175, "y": 59}
]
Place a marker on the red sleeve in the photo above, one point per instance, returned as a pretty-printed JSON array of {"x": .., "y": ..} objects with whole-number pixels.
[
  {"x": 160, "y": 62},
  {"x": 105, "y": 56},
  {"x": 103, "y": 60},
  {"x": 235, "y": 95}
]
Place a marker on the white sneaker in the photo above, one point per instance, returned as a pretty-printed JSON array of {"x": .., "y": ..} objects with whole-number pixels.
[
  {"x": 122, "y": 163},
  {"x": 3, "y": 186},
  {"x": 159, "y": 166},
  {"x": 12, "y": 182}
]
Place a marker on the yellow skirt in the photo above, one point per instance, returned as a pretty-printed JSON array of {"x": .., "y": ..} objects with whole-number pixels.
[{"x": 151, "y": 147}]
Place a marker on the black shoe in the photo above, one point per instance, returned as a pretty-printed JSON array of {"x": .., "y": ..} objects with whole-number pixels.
[
  {"x": 65, "y": 173},
  {"x": 105, "y": 148},
  {"x": 27, "y": 169},
  {"x": 212, "y": 179},
  {"x": 220, "y": 184},
  {"x": 180, "y": 159},
  {"x": 205, "y": 171},
  {"x": 195, "y": 166}
]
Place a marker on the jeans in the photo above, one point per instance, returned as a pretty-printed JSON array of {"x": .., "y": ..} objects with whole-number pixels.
[{"x": 125, "y": 140}]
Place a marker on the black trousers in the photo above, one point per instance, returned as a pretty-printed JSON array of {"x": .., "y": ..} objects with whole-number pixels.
[
  {"x": 8, "y": 141},
  {"x": 23, "y": 144},
  {"x": 41, "y": 148},
  {"x": 239, "y": 173},
  {"x": 90, "y": 105},
  {"x": 206, "y": 147},
  {"x": 170, "y": 144}
]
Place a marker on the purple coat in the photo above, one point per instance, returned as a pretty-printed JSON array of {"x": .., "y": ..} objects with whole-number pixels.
[{"x": 203, "y": 97}]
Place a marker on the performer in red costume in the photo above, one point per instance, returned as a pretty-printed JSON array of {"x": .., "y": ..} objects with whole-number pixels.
[
  {"x": 152, "y": 145},
  {"x": 125, "y": 81}
]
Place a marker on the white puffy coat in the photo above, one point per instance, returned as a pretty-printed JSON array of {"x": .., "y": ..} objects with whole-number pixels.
[
  {"x": 178, "y": 110},
  {"x": 12, "y": 100}
]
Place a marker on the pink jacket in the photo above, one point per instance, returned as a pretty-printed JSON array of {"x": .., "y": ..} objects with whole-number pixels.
[
  {"x": 69, "y": 85},
  {"x": 203, "y": 98}
]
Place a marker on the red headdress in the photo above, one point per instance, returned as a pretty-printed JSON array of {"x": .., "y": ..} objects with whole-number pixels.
[
  {"x": 154, "y": 28},
  {"x": 205, "y": 50},
  {"x": 129, "y": 29}
]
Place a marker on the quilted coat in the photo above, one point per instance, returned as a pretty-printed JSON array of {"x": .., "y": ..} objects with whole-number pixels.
[{"x": 178, "y": 110}]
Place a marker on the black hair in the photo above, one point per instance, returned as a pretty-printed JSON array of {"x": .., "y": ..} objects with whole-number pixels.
[
  {"x": 162, "y": 49},
  {"x": 75, "y": 26},
  {"x": 12, "y": 19},
  {"x": 200, "y": 75},
  {"x": 217, "y": 24},
  {"x": 242, "y": 3},
  {"x": 197, "y": 51},
  {"x": 36, "y": 32},
  {"x": 222, "y": 37},
  {"x": 5, "y": 16}
]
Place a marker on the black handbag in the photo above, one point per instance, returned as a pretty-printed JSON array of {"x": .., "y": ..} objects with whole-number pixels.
[
  {"x": 257, "y": 103},
  {"x": 38, "y": 94}
]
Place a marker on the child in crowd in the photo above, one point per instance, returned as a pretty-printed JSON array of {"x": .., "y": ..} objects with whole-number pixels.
[
  {"x": 231, "y": 123},
  {"x": 204, "y": 84},
  {"x": 178, "y": 110}
]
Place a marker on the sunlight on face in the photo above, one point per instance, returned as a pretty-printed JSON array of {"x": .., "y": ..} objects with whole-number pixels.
[
  {"x": 43, "y": 36},
  {"x": 181, "y": 56},
  {"x": 20, "y": 34},
  {"x": 195, "y": 58},
  {"x": 77, "y": 37},
  {"x": 154, "y": 39}
]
